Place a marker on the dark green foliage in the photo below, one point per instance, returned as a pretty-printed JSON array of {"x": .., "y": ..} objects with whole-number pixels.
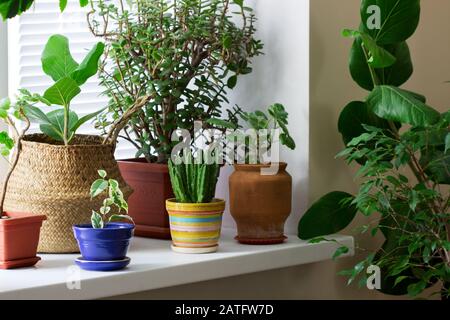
[
  {"x": 413, "y": 215},
  {"x": 192, "y": 182}
]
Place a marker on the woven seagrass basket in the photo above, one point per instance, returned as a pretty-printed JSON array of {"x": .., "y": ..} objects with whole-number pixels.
[{"x": 54, "y": 180}]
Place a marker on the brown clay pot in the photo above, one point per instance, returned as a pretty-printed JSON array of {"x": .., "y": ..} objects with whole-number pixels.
[
  {"x": 147, "y": 204},
  {"x": 19, "y": 238},
  {"x": 260, "y": 204}
]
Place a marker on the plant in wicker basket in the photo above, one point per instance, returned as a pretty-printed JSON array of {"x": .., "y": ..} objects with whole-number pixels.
[{"x": 53, "y": 170}]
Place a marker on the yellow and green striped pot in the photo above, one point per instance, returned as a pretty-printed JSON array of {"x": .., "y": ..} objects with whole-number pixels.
[{"x": 195, "y": 227}]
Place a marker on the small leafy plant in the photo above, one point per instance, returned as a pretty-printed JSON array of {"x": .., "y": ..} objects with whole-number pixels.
[
  {"x": 114, "y": 199},
  {"x": 11, "y": 115},
  {"x": 62, "y": 123},
  {"x": 266, "y": 127},
  {"x": 193, "y": 182}
]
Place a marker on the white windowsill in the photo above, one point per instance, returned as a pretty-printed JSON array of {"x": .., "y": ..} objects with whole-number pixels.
[{"x": 154, "y": 265}]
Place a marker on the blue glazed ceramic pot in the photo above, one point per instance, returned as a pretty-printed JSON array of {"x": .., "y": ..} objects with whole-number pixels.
[{"x": 109, "y": 243}]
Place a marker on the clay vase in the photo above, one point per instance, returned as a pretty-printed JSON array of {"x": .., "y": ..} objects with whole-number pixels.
[
  {"x": 147, "y": 204},
  {"x": 19, "y": 238},
  {"x": 260, "y": 204}
]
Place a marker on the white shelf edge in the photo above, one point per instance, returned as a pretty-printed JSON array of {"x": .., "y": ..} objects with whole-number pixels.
[{"x": 154, "y": 266}]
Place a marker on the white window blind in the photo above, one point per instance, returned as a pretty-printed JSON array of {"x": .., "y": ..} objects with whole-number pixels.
[{"x": 27, "y": 35}]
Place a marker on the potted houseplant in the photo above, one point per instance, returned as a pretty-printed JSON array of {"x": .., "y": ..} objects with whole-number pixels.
[
  {"x": 402, "y": 145},
  {"x": 19, "y": 231},
  {"x": 181, "y": 79},
  {"x": 195, "y": 215},
  {"x": 104, "y": 242},
  {"x": 54, "y": 168},
  {"x": 260, "y": 202},
  {"x": 11, "y": 8}
]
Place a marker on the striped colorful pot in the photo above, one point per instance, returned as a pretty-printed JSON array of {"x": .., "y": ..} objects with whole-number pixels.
[{"x": 195, "y": 227}]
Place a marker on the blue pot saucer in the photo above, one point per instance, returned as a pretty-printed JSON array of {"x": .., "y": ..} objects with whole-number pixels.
[{"x": 102, "y": 265}]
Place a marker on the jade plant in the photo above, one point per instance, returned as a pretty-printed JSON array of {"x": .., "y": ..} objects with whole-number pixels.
[
  {"x": 193, "y": 182},
  {"x": 68, "y": 75},
  {"x": 178, "y": 58},
  {"x": 402, "y": 146},
  {"x": 11, "y": 8},
  {"x": 114, "y": 200}
]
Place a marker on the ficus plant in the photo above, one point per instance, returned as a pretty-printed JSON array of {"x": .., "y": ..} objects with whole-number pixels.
[
  {"x": 178, "y": 58},
  {"x": 114, "y": 208},
  {"x": 391, "y": 132},
  {"x": 11, "y": 8},
  {"x": 68, "y": 75}
]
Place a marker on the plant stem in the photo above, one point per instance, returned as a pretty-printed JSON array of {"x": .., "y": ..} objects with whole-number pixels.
[{"x": 66, "y": 125}]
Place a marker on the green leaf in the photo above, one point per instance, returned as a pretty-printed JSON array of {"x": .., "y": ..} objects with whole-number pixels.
[
  {"x": 85, "y": 119},
  {"x": 378, "y": 57},
  {"x": 239, "y": 2},
  {"x": 84, "y": 3},
  {"x": 416, "y": 288},
  {"x": 327, "y": 216},
  {"x": 57, "y": 62},
  {"x": 395, "y": 75},
  {"x": 55, "y": 128},
  {"x": 395, "y": 104},
  {"x": 97, "y": 220},
  {"x": 340, "y": 251},
  {"x": 62, "y": 92},
  {"x": 232, "y": 81},
  {"x": 36, "y": 115},
  {"x": 102, "y": 173},
  {"x": 98, "y": 187},
  {"x": 11, "y": 8},
  {"x": 62, "y": 5},
  {"x": 5, "y": 104},
  {"x": 89, "y": 66},
  {"x": 399, "y": 20},
  {"x": 6, "y": 144},
  {"x": 354, "y": 116},
  {"x": 221, "y": 123}
]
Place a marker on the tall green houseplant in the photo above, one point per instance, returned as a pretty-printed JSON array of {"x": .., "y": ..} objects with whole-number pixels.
[{"x": 390, "y": 131}]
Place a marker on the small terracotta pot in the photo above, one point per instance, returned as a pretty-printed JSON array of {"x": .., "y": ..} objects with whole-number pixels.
[
  {"x": 19, "y": 238},
  {"x": 260, "y": 204},
  {"x": 151, "y": 185},
  {"x": 195, "y": 227}
]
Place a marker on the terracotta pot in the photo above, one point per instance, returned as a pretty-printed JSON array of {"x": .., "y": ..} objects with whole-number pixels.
[
  {"x": 19, "y": 238},
  {"x": 260, "y": 204},
  {"x": 151, "y": 185},
  {"x": 195, "y": 227}
]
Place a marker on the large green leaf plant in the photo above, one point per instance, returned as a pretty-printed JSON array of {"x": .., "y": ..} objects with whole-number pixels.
[
  {"x": 68, "y": 75},
  {"x": 393, "y": 130}
]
